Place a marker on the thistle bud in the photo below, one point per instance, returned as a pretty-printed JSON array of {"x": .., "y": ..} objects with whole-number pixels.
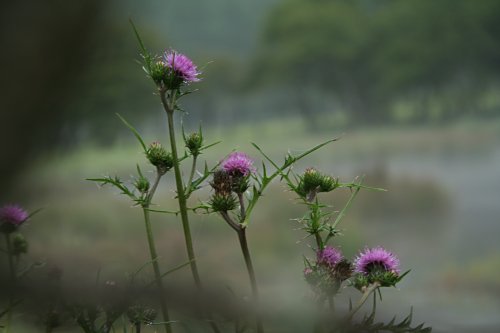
[
  {"x": 142, "y": 185},
  {"x": 223, "y": 203},
  {"x": 159, "y": 157},
  {"x": 159, "y": 72},
  {"x": 194, "y": 142},
  {"x": 19, "y": 245}
]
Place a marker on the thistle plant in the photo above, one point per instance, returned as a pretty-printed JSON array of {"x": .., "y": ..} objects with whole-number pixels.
[
  {"x": 12, "y": 218},
  {"x": 371, "y": 270},
  {"x": 141, "y": 193},
  {"x": 171, "y": 74},
  {"x": 237, "y": 188}
]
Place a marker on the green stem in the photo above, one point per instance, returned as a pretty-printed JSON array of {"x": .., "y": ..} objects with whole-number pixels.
[
  {"x": 169, "y": 108},
  {"x": 331, "y": 303},
  {"x": 242, "y": 206},
  {"x": 251, "y": 274},
  {"x": 191, "y": 176},
  {"x": 12, "y": 271},
  {"x": 371, "y": 288},
  {"x": 156, "y": 268},
  {"x": 181, "y": 195},
  {"x": 319, "y": 241}
]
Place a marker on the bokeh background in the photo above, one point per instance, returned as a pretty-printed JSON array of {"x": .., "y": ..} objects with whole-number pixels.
[{"x": 413, "y": 88}]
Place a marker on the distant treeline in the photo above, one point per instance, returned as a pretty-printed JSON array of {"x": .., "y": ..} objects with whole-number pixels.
[{"x": 384, "y": 61}]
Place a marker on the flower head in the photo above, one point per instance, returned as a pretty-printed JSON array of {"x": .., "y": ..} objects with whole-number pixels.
[
  {"x": 376, "y": 258},
  {"x": 329, "y": 256},
  {"x": 238, "y": 164},
  {"x": 182, "y": 66},
  {"x": 13, "y": 214}
]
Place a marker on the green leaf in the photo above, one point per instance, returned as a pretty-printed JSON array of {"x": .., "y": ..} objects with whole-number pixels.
[
  {"x": 139, "y": 39},
  {"x": 368, "y": 324},
  {"x": 136, "y": 133}
]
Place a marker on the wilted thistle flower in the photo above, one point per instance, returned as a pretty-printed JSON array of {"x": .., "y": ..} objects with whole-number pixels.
[
  {"x": 194, "y": 142},
  {"x": 326, "y": 275},
  {"x": 329, "y": 256},
  {"x": 376, "y": 259},
  {"x": 11, "y": 217},
  {"x": 159, "y": 157},
  {"x": 183, "y": 69},
  {"x": 223, "y": 200},
  {"x": 221, "y": 182}
]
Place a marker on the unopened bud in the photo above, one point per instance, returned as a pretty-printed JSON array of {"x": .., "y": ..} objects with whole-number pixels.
[
  {"x": 159, "y": 157},
  {"x": 194, "y": 142}
]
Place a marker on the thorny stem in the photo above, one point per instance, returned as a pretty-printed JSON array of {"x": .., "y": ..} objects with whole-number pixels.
[
  {"x": 371, "y": 288},
  {"x": 169, "y": 107}
]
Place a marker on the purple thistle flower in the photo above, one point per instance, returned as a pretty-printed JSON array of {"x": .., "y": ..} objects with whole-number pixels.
[
  {"x": 376, "y": 257},
  {"x": 13, "y": 214},
  {"x": 238, "y": 164},
  {"x": 329, "y": 256},
  {"x": 182, "y": 66}
]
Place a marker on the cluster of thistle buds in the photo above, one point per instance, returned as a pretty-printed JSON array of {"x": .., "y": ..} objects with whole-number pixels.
[
  {"x": 232, "y": 178},
  {"x": 313, "y": 182},
  {"x": 375, "y": 265}
]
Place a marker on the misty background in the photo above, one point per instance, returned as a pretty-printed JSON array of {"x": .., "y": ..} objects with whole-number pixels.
[{"x": 412, "y": 87}]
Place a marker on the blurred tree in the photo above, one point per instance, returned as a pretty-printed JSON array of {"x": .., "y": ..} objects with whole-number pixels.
[
  {"x": 368, "y": 55},
  {"x": 44, "y": 46}
]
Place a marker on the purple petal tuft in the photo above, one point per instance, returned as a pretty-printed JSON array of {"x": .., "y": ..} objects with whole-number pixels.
[
  {"x": 238, "y": 164},
  {"x": 13, "y": 214},
  {"x": 182, "y": 65},
  {"x": 374, "y": 257},
  {"x": 329, "y": 256}
]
